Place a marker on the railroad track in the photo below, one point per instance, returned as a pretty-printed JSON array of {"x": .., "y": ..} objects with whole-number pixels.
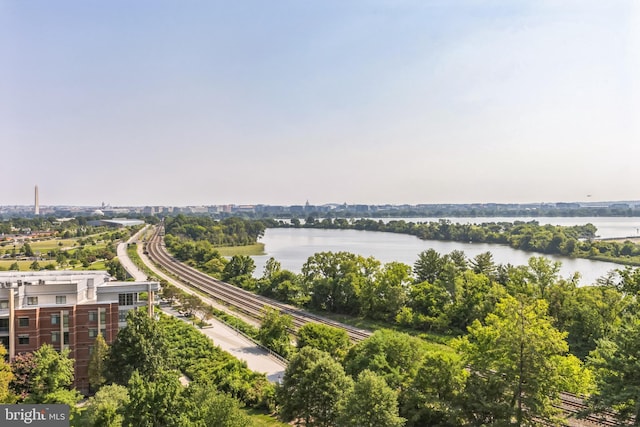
[
  {"x": 573, "y": 406},
  {"x": 253, "y": 306},
  {"x": 247, "y": 302}
]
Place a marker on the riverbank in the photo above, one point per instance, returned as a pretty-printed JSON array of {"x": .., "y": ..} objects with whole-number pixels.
[{"x": 247, "y": 250}]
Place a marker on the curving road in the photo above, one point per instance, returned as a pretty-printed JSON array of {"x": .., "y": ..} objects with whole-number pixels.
[{"x": 241, "y": 347}]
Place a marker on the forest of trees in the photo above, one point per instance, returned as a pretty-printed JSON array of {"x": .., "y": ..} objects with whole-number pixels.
[
  {"x": 526, "y": 333},
  {"x": 468, "y": 342},
  {"x": 136, "y": 381}
]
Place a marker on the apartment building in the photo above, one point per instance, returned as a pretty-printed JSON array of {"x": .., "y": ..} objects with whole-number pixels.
[{"x": 67, "y": 309}]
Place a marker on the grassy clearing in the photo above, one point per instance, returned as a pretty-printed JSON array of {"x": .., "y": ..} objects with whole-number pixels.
[
  {"x": 51, "y": 244},
  {"x": 256, "y": 249},
  {"x": 24, "y": 265},
  {"x": 47, "y": 245},
  {"x": 261, "y": 419},
  {"x": 98, "y": 265},
  {"x": 435, "y": 341}
]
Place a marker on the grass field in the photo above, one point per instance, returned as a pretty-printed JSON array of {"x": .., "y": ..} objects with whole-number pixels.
[
  {"x": 24, "y": 265},
  {"x": 44, "y": 246},
  {"x": 260, "y": 419},
  {"x": 257, "y": 249},
  {"x": 41, "y": 245}
]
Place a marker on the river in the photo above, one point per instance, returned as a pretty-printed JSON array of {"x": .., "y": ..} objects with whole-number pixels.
[{"x": 292, "y": 246}]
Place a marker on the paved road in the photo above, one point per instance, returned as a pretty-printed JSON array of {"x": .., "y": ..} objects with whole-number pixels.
[
  {"x": 257, "y": 358},
  {"x": 240, "y": 347},
  {"x": 126, "y": 262}
]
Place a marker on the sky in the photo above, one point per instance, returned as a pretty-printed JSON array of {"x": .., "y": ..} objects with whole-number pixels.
[{"x": 153, "y": 102}]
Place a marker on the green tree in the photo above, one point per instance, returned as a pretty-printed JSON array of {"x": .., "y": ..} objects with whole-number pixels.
[
  {"x": 35, "y": 266},
  {"x": 372, "y": 403},
  {"x": 154, "y": 403},
  {"x": 312, "y": 387},
  {"x": 433, "y": 396},
  {"x": 428, "y": 266},
  {"x": 6, "y": 377},
  {"x": 474, "y": 296},
  {"x": 14, "y": 267},
  {"x": 520, "y": 360},
  {"x": 28, "y": 252},
  {"x": 394, "y": 356},
  {"x": 587, "y": 313},
  {"x": 141, "y": 346},
  {"x": 387, "y": 293},
  {"x": 274, "y": 331},
  {"x": 616, "y": 366},
  {"x": 53, "y": 371},
  {"x": 284, "y": 286},
  {"x": 106, "y": 407},
  {"x": 429, "y": 304},
  {"x": 115, "y": 269},
  {"x": 97, "y": 363},
  {"x": 205, "y": 406},
  {"x": 483, "y": 264},
  {"x": 543, "y": 273},
  {"x": 326, "y": 338},
  {"x": 190, "y": 303},
  {"x": 238, "y": 266},
  {"x": 271, "y": 267},
  {"x": 335, "y": 280}
]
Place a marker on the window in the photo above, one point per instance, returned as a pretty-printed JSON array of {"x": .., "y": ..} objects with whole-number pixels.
[
  {"x": 23, "y": 322},
  {"x": 61, "y": 299},
  {"x": 65, "y": 320},
  {"x": 32, "y": 300},
  {"x": 65, "y": 336},
  {"x": 55, "y": 337},
  {"x": 4, "y": 304},
  {"x": 93, "y": 316},
  {"x": 23, "y": 339},
  {"x": 127, "y": 299},
  {"x": 122, "y": 315},
  {"x": 55, "y": 319},
  {"x": 90, "y": 350},
  {"x": 103, "y": 316},
  {"x": 103, "y": 331},
  {"x": 93, "y": 332}
]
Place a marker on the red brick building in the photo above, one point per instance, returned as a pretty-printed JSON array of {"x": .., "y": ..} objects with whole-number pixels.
[{"x": 66, "y": 309}]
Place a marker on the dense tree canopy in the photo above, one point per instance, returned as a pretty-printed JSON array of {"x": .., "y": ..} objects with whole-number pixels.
[
  {"x": 326, "y": 338},
  {"x": 274, "y": 331},
  {"x": 140, "y": 346},
  {"x": 371, "y": 403},
  {"x": 6, "y": 376},
  {"x": 520, "y": 359},
  {"x": 617, "y": 371},
  {"x": 312, "y": 387}
]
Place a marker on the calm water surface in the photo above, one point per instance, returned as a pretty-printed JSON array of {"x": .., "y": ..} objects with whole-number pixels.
[{"x": 291, "y": 247}]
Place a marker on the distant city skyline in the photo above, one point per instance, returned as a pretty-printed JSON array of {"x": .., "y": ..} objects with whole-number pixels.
[{"x": 412, "y": 101}]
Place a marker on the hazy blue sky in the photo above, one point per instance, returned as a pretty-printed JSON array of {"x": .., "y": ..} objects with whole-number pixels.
[{"x": 280, "y": 102}]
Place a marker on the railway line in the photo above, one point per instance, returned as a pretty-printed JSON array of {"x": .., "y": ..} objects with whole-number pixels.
[
  {"x": 252, "y": 305},
  {"x": 247, "y": 302}
]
